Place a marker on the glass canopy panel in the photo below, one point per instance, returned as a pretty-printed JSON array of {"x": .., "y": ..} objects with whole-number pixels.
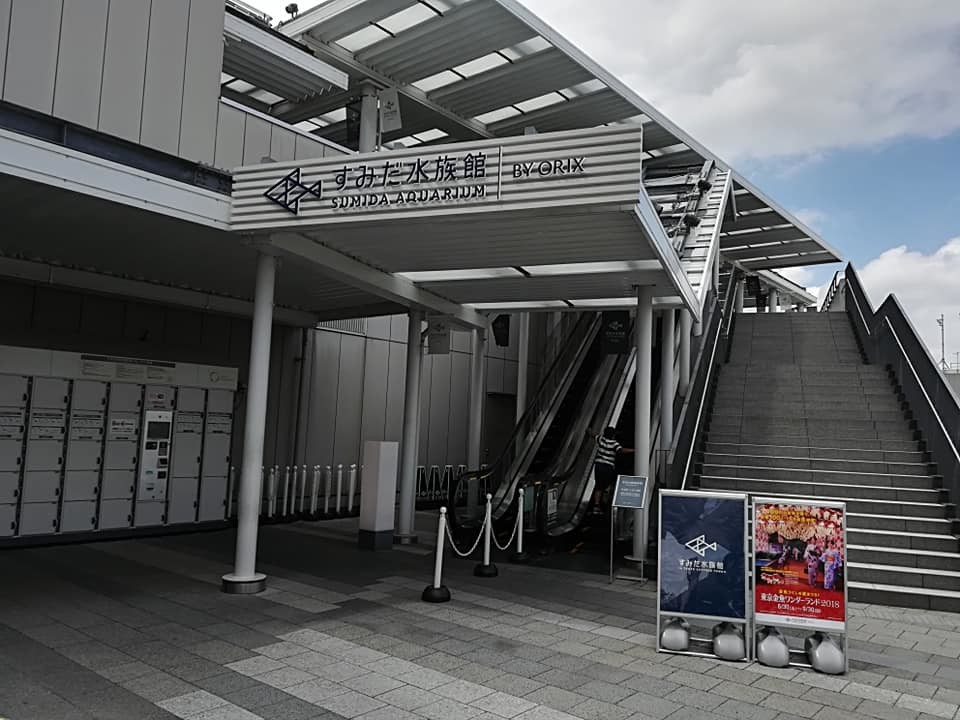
[
  {"x": 408, "y": 18},
  {"x": 363, "y": 38}
]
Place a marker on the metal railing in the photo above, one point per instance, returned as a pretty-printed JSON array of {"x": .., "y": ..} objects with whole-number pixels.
[
  {"x": 835, "y": 285},
  {"x": 888, "y": 338}
]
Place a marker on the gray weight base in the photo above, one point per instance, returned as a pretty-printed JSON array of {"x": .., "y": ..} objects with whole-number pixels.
[
  {"x": 433, "y": 594},
  {"x": 232, "y": 586},
  {"x": 676, "y": 636},
  {"x": 772, "y": 648},
  {"x": 486, "y": 571}
]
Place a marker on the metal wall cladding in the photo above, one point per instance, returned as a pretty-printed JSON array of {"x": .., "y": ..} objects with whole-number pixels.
[
  {"x": 147, "y": 72},
  {"x": 582, "y": 167}
]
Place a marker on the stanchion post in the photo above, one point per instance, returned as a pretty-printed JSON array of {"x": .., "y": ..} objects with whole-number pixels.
[
  {"x": 352, "y": 488},
  {"x": 519, "y": 556},
  {"x": 438, "y": 592},
  {"x": 302, "y": 495},
  {"x": 327, "y": 472},
  {"x": 314, "y": 490},
  {"x": 336, "y": 510},
  {"x": 286, "y": 491},
  {"x": 487, "y": 568},
  {"x": 272, "y": 493}
]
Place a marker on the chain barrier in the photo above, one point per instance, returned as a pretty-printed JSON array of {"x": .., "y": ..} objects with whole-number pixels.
[
  {"x": 453, "y": 545},
  {"x": 509, "y": 542}
]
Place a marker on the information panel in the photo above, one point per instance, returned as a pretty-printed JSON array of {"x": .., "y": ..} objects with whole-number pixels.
[
  {"x": 800, "y": 555},
  {"x": 630, "y": 492},
  {"x": 703, "y": 554}
]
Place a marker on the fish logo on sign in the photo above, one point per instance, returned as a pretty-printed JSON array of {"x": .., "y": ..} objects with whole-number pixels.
[
  {"x": 290, "y": 190},
  {"x": 700, "y": 545}
]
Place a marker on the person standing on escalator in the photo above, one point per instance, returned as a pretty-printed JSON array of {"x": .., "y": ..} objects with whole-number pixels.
[{"x": 605, "y": 466}]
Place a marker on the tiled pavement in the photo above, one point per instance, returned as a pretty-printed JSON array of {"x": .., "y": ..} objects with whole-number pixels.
[{"x": 139, "y": 629}]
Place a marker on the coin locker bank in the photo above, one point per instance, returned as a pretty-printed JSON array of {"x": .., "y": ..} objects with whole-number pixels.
[{"x": 93, "y": 444}]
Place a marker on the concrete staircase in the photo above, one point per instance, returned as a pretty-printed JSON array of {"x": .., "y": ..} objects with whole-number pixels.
[{"x": 798, "y": 413}]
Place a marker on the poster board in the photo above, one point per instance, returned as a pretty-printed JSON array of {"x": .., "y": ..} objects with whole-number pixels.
[{"x": 800, "y": 564}]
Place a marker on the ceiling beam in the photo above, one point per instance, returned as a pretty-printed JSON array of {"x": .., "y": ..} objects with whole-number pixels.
[{"x": 393, "y": 288}]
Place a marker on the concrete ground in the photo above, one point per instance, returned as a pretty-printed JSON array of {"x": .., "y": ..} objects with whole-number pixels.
[{"x": 139, "y": 629}]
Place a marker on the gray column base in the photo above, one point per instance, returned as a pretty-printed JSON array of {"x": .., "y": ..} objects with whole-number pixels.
[
  {"x": 370, "y": 540},
  {"x": 403, "y": 539},
  {"x": 232, "y": 585}
]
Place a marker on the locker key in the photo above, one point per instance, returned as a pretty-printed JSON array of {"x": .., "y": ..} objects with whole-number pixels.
[
  {"x": 56, "y": 492},
  {"x": 16, "y": 493}
]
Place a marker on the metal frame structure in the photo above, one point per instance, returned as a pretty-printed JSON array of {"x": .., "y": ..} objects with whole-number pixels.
[
  {"x": 754, "y": 502},
  {"x": 746, "y": 622}
]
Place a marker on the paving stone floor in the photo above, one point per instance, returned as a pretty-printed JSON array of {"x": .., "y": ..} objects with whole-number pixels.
[{"x": 139, "y": 629}]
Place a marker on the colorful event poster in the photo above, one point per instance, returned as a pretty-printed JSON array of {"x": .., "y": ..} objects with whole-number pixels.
[
  {"x": 703, "y": 554},
  {"x": 800, "y": 556}
]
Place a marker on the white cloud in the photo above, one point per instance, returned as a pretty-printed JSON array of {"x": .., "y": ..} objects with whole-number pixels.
[
  {"x": 811, "y": 217},
  {"x": 926, "y": 286}
]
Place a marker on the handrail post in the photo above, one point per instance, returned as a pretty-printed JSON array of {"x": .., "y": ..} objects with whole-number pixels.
[{"x": 519, "y": 556}]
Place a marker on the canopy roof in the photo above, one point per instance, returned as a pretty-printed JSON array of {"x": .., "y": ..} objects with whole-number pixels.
[{"x": 476, "y": 69}]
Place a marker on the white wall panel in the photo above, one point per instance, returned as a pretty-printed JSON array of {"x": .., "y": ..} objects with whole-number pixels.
[
  {"x": 201, "y": 87},
  {"x": 398, "y": 328},
  {"x": 396, "y": 370},
  {"x": 375, "y": 371},
  {"x": 231, "y": 125},
  {"x": 125, "y": 60},
  {"x": 5, "y": 8},
  {"x": 349, "y": 406},
  {"x": 256, "y": 140},
  {"x": 379, "y": 327},
  {"x": 439, "y": 410},
  {"x": 426, "y": 390},
  {"x": 80, "y": 63},
  {"x": 163, "y": 82},
  {"x": 509, "y": 377},
  {"x": 34, "y": 40},
  {"x": 459, "y": 394},
  {"x": 307, "y": 148},
  {"x": 494, "y": 375},
  {"x": 282, "y": 144},
  {"x": 323, "y": 398}
]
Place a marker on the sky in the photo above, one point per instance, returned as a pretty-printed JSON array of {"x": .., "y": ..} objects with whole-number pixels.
[{"x": 847, "y": 113}]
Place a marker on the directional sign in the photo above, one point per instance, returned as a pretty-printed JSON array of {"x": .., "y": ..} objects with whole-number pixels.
[{"x": 630, "y": 492}]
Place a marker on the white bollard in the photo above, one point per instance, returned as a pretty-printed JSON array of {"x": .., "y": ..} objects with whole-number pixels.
[
  {"x": 486, "y": 568},
  {"x": 353, "y": 488},
  {"x": 519, "y": 555},
  {"x": 336, "y": 509},
  {"x": 271, "y": 492},
  {"x": 314, "y": 491},
  {"x": 438, "y": 592},
  {"x": 327, "y": 473},
  {"x": 286, "y": 491},
  {"x": 302, "y": 495}
]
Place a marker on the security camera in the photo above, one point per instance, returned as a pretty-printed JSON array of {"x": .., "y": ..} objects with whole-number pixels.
[{"x": 292, "y": 9}]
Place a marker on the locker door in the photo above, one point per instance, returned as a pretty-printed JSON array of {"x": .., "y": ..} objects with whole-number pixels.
[
  {"x": 81, "y": 485},
  {"x": 9, "y": 487},
  {"x": 158, "y": 397},
  {"x": 83, "y": 455},
  {"x": 10, "y": 455},
  {"x": 213, "y": 495},
  {"x": 8, "y": 520},
  {"x": 78, "y": 516},
  {"x": 41, "y": 487},
  {"x": 44, "y": 455},
  {"x": 216, "y": 454},
  {"x": 50, "y": 393},
  {"x": 220, "y": 401},
  {"x": 115, "y": 514},
  {"x": 13, "y": 392},
  {"x": 190, "y": 400},
  {"x": 149, "y": 513},
  {"x": 125, "y": 397},
  {"x": 118, "y": 484},
  {"x": 38, "y": 518},
  {"x": 182, "y": 500},
  {"x": 88, "y": 395},
  {"x": 186, "y": 454},
  {"x": 120, "y": 456}
]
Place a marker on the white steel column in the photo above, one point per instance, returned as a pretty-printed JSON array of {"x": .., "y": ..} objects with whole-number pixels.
[
  {"x": 641, "y": 444},
  {"x": 478, "y": 376},
  {"x": 667, "y": 379},
  {"x": 772, "y": 301},
  {"x": 245, "y": 579},
  {"x": 686, "y": 321},
  {"x": 739, "y": 299},
  {"x": 523, "y": 362},
  {"x": 410, "y": 439},
  {"x": 369, "y": 118}
]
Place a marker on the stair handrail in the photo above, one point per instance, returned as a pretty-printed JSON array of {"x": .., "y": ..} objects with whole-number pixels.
[
  {"x": 831, "y": 291},
  {"x": 921, "y": 380},
  {"x": 716, "y": 328}
]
